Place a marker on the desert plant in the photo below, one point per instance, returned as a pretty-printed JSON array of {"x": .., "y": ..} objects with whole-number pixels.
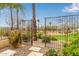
[
  {"x": 52, "y": 38},
  {"x": 6, "y": 33},
  {"x": 39, "y": 35},
  {"x": 26, "y": 36},
  {"x": 14, "y": 38},
  {"x": 46, "y": 39},
  {"x": 1, "y": 32},
  {"x": 51, "y": 52}
]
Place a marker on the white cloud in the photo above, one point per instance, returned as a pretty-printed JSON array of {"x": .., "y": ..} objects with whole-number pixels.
[{"x": 72, "y": 8}]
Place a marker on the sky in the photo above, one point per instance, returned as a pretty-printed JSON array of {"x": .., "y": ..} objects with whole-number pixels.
[{"x": 42, "y": 10}]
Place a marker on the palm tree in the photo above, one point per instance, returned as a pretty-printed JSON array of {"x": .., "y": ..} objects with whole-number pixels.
[
  {"x": 17, "y": 11},
  {"x": 11, "y": 18},
  {"x": 17, "y": 6},
  {"x": 34, "y": 23}
]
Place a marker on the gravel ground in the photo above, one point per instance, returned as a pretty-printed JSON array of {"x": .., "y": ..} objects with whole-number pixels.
[
  {"x": 53, "y": 44},
  {"x": 24, "y": 50},
  {"x": 44, "y": 50}
]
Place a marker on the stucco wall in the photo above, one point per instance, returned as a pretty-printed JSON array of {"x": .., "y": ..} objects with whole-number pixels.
[{"x": 4, "y": 43}]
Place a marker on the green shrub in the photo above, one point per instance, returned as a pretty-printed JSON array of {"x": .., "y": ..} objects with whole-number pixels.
[
  {"x": 51, "y": 52},
  {"x": 46, "y": 39},
  {"x": 14, "y": 38},
  {"x": 1, "y": 32},
  {"x": 26, "y": 36},
  {"x": 52, "y": 38},
  {"x": 76, "y": 40},
  {"x": 71, "y": 49},
  {"x": 6, "y": 33},
  {"x": 39, "y": 35}
]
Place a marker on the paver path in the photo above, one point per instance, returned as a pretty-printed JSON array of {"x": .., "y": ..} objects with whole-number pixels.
[
  {"x": 35, "y": 51},
  {"x": 35, "y": 48},
  {"x": 8, "y": 53},
  {"x": 35, "y": 54}
]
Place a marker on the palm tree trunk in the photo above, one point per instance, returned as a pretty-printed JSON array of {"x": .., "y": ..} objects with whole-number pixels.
[
  {"x": 11, "y": 18},
  {"x": 34, "y": 23},
  {"x": 17, "y": 19}
]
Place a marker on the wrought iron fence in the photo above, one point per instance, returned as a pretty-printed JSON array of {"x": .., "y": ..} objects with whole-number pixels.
[
  {"x": 61, "y": 29},
  {"x": 26, "y": 30},
  {"x": 24, "y": 25},
  {"x": 3, "y": 33}
]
